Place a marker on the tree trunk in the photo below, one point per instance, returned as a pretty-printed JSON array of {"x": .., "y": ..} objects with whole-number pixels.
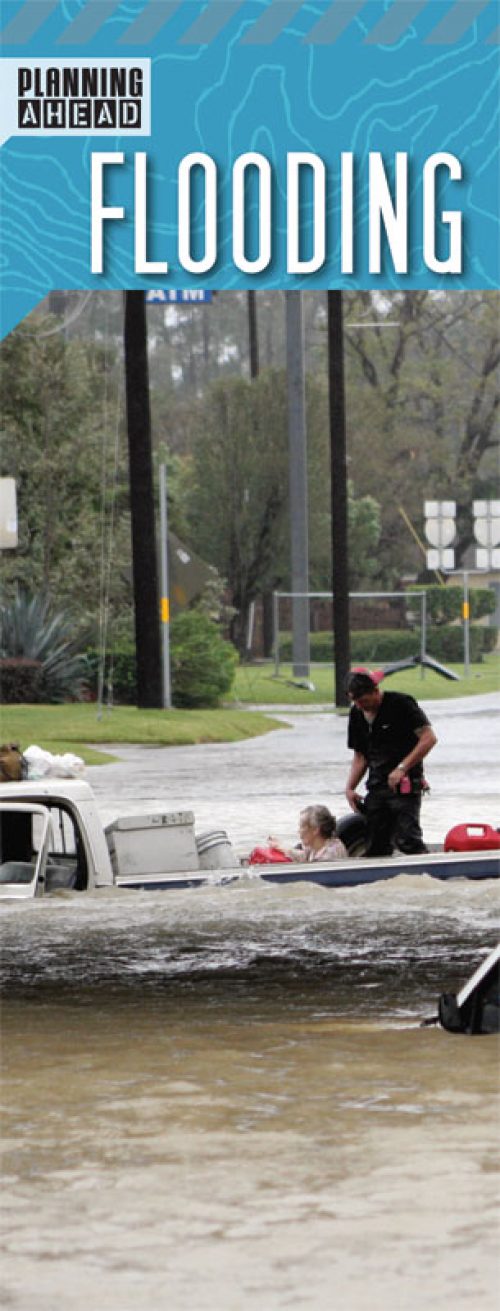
[{"x": 267, "y": 624}]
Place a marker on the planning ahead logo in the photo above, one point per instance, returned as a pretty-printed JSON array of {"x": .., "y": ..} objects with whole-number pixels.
[{"x": 68, "y": 97}]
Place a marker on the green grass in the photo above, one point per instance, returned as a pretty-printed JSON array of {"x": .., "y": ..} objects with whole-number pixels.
[
  {"x": 72, "y": 727},
  {"x": 255, "y": 684}
]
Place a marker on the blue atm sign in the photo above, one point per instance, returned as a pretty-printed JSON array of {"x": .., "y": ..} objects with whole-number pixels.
[{"x": 169, "y": 297}]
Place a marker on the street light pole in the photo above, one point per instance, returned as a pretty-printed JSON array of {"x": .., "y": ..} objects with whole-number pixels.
[
  {"x": 298, "y": 482},
  {"x": 165, "y": 594}
]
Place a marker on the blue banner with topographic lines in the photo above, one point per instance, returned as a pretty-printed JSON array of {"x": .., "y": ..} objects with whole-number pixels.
[{"x": 248, "y": 143}]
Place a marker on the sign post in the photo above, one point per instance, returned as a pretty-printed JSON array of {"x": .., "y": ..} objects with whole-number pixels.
[
  {"x": 466, "y": 619},
  {"x": 487, "y": 533},
  {"x": 165, "y": 599}
]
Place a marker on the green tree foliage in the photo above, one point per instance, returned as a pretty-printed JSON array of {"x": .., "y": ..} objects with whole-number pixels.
[
  {"x": 238, "y": 504},
  {"x": 422, "y": 402},
  {"x": 364, "y": 527},
  {"x": 60, "y": 419},
  {"x": 238, "y": 514},
  {"x": 192, "y": 346}
]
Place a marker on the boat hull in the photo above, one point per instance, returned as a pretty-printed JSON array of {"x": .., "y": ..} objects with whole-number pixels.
[{"x": 349, "y": 873}]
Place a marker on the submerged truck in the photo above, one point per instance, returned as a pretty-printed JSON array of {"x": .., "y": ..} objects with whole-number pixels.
[{"x": 52, "y": 840}]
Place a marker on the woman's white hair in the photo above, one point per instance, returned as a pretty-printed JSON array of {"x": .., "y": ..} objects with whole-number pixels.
[{"x": 321, "y": 818}]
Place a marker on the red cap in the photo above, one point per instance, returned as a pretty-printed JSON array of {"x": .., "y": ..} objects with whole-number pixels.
[{"x": 376, "y": 675}]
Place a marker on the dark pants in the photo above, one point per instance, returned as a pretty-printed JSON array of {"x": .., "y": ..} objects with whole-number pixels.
[{"x": 393, "y": 821}]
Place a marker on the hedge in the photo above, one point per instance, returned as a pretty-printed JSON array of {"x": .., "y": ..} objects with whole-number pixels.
[
  {"x": 379, "y": 646},
  {"x": 444, "y": 604}
]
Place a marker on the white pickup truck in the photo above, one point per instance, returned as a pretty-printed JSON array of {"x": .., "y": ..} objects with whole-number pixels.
[{"x": 53, "y": 838}]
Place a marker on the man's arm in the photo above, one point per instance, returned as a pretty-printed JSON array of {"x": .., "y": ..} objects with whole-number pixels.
[
  {"x": 358, "y": 769},
  {"x": 426, "y": 741}
]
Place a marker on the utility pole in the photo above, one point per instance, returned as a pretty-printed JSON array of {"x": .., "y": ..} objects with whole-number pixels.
[
  {"x": 338, "y": 465},
  {"x": 298, "y": 482},
  {"x": 144, "y": 563}
]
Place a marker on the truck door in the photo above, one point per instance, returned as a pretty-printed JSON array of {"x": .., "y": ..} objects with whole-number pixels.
[{"x": 23, "y": 862}]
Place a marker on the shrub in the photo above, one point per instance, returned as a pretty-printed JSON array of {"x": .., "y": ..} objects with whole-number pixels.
[
  {"x": 202, "y": 663},
  {"x": 444, "y": 604},
  {"x": 368, "y": 646},
  {"x": 33, "y": 632},
  {"x": 448, "y": 643},
  {"x": 20, "y": 681},
  {"x": 381, "y": 646},
  {"x": 119, "y": 673}
]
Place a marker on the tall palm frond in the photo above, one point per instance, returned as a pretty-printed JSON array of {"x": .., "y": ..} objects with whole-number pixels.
[{"x": 31, "y": 629}]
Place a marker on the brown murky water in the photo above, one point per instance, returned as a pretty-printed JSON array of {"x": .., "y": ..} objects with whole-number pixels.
[{"x": 223, "y": 1099}]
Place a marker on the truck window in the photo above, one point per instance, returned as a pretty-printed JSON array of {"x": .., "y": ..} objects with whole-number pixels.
[
  {"x": 15, "y": 835},
  {"x": 65, "y": 838},
  {"x": 67, "y": 851}
]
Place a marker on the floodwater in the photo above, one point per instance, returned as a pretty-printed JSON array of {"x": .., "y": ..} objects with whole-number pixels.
[{"x": 223, "y": 1099}]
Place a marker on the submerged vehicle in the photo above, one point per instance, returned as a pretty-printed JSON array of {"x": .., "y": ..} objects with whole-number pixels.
[
  {"x": 476, "y": 1008},
  {"x": 52, "y": 838}
]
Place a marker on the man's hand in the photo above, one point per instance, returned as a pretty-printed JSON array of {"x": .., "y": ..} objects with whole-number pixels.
[
  {"x": 394, "y": 778},
  {"x": 354, "y": 799}
]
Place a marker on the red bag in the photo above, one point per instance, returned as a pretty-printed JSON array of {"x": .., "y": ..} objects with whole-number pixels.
[{"x": 268, "y": 856}]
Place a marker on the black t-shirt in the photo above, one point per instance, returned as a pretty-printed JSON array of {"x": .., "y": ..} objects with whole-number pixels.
[{"x": 389, "y": 738}]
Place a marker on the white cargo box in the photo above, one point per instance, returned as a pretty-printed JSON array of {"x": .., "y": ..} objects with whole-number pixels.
[{"x": 157, "y": 843}]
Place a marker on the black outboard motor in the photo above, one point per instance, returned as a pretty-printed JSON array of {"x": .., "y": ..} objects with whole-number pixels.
[
  {"x": 353, "y": 830},
  {"x": 476, "y": 1008}
]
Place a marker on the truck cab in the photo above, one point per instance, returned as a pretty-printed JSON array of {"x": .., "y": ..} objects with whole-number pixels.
[{"x": 51, "y": 838}]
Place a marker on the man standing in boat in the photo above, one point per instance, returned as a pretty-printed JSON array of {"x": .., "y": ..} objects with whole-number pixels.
[{"x": 390, "y": 734}]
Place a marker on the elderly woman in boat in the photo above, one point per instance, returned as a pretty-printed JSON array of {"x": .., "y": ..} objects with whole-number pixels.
[{"x": 318, "y": 837}]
